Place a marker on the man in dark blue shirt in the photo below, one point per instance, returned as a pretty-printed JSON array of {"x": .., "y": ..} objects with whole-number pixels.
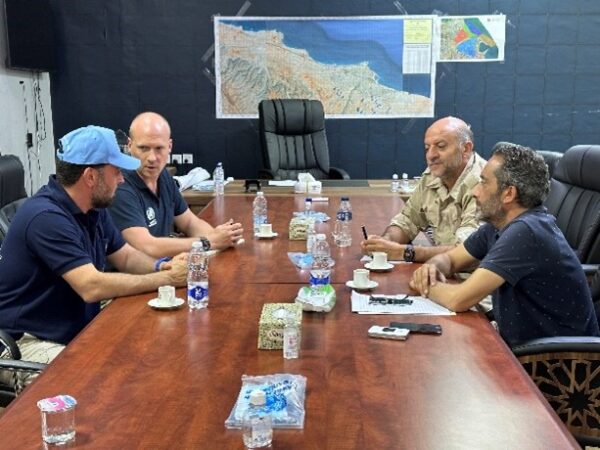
[
  {"x": 149, "y": 205},
  {"x": 53, "y": 257},
  {"x": 538, "y": 286}
]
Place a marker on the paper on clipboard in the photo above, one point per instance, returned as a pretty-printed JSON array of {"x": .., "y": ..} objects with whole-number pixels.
[{"x": 420, "y": 305}]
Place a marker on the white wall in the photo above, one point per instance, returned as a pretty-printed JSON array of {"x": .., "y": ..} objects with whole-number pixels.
[{"x": 25, "y": 107}]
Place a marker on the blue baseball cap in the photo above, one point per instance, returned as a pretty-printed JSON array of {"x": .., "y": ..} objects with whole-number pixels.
[{"x": 94, "y": 145}]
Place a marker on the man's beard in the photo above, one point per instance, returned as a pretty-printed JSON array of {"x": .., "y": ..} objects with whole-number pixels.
[
  {"x": 101, "y": 201},
  {"x": 491, "y": 212}
]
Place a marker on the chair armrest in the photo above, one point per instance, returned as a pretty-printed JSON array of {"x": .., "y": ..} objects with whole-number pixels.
[
  {"x": 266, "y": 174},
  {"x": 590, "y": 269},
  {"x": 558, "y": 344},
  {"x": 338, "y": 174},
  {"x": 6, "y": 341},
  {"x": 14, "y": 365}
]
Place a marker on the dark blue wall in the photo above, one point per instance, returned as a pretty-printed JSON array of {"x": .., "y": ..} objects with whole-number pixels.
[{"x": 118, "y": 58}]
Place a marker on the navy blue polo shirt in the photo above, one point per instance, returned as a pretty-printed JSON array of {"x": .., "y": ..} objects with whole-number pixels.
[
  {"x": 135, "y": 205},
  {"x": 545, "y": 291},
  {"x": 49, "y": 236}
]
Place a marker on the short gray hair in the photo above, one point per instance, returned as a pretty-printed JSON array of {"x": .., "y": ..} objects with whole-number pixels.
[{"x": 524, "y": 169}]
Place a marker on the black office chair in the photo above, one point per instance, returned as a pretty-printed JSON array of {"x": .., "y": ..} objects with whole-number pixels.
[
  {"x": 293, "y": 140},
  {"x": 551, "y": 158},
  {"x": 12, "y": 189},
  {"x": 567, "y": 371},
  {"x": 574, "y": 200},
  {"x": 7, "y": 213},
  {"x": 12, "y": 179},
  {"x": 11, "y": 366}
]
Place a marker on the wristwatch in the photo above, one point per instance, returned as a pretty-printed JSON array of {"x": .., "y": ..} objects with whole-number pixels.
[
  {"x": 205, "y": 243},
  {"x": 409, "y": 253}
]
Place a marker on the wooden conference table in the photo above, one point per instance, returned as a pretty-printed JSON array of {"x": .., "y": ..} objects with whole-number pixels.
[
  {"x": 169, "y": 379},
  {"x": 380, "y": 188}
]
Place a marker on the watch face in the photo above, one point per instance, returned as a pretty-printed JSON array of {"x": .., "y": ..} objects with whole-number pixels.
[{"x": 205, "y": 244}]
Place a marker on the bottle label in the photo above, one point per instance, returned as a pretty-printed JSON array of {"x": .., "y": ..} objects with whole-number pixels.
[
  {"x": 197, "y": 293},
  {"x": 344, "y": 216},
  {"x": 319, "y": 281}
]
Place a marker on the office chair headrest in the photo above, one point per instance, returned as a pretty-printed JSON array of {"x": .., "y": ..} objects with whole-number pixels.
[
  {"x": 579, "y": 167},
  {"x": 292, "y": 117}
]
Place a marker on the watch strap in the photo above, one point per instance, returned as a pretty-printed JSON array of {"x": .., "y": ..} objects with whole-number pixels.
[{"x": 409, "y": 253}]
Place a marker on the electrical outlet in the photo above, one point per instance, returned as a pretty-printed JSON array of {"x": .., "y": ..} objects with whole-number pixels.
[
  {"x": 176, "y": 159},
  {"x": 188, "y": 158}
]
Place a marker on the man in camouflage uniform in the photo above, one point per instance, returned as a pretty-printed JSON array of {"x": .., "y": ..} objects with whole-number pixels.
[{"x": 442, "y": 203}]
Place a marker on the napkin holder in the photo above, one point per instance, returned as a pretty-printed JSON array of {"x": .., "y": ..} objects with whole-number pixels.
[
  {"x": 272, "y": 321},
  {"x": 298, "y": 228}
]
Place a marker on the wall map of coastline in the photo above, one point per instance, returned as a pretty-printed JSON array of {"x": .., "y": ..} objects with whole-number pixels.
[{"x": 359, "y": 67}]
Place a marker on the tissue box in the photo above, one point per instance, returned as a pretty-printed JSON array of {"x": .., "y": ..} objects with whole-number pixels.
[
  {"x": 272, "y": 321},
  {"x": 299, "y": 227},
  {"x": 314, "y": 187}
]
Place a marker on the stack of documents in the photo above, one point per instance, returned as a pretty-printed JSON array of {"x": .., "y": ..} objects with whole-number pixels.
[{"x": 419, "y": 305}]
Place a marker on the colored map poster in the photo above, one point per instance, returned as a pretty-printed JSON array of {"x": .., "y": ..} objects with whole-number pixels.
[
  {"x": 358, "y": 67},
  {"x": 472, "y": 39}
]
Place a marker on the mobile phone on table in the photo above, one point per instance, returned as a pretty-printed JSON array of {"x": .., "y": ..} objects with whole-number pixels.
[
  {"x": 399, "y": 334},
  {"x": 425, "y": 328}
]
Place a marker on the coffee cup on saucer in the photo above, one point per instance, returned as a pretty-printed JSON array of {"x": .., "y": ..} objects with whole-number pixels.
[
  {"x": 266, "y": 229},
  {"x": 166, "y": 295},
  {"x": 379, "y": 260},
  {"x": 361, "y": 278}
]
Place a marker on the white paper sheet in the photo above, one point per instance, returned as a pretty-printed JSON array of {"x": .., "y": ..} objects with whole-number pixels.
[
  {"x": 420, "y": 305},
  {"x": 282, "y": 183}
]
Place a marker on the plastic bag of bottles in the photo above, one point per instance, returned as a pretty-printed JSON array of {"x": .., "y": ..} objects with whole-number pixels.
[{"x": 285, "y": 399}]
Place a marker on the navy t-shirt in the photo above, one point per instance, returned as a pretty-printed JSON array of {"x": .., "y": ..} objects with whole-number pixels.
[
  {"x": 545, "y": 291},
  {"x": 49, "y": 236},
  {"x": 137, "y": 206}
]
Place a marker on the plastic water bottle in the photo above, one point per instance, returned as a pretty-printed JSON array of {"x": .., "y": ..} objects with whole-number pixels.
[
  {"x": 308, "y": 207},
  {"x": 257, "y": 426},
  {"x": 291, "y": 339},
  {"x": 405, "y": 185},
  {"x": 197, "y": 278},
  {"x": 395, "y": 186},
  {"x": 219, "y": 179},
  {"x": 321, "y": 269},
  {"x": 343, "y": 229},
  {"x": 310, "y": 237},
  {"x": 259, "y": 211}
]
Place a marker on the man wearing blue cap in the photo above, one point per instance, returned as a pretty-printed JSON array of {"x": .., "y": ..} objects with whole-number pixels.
[{"x": 53, "y": 257}]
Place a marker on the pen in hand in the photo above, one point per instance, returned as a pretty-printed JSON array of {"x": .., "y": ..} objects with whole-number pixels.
[{"x": 364, "y": 231}]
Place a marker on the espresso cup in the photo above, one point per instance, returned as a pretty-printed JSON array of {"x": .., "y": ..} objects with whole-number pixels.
[
  {"x": 379, "y": 259},
  {"x": 166, "y": 295},
  {"x": 361, "y": 277},
  {"x": 266, "y": 229}
]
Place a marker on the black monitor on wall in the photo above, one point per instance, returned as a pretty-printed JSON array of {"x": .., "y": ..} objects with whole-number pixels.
[{"x": 29, "y": 35}]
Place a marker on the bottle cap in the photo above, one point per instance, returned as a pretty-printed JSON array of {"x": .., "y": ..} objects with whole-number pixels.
[
  {"x": 320, "y": 237},
  {"x": 308, "y": 199},
  {"x": 404, "y": 176},
  {"x": 57, "y": 403},
  {"x": 259, "y": 193},
  {"x": 345, "y": 199},
  {"x": 257, "y": 397},
  {"x": 395, "y": 176}
]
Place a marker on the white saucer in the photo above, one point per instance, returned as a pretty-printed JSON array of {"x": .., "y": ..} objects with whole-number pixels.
[
  {"x": 156, "y": 305},
  {"x": 384, "y": 268},
  {"x": 266, "y": 236},
  {"x": 372, "y": 285}
]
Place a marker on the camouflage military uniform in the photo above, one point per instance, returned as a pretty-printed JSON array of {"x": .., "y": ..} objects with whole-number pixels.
[{"x": 450, "y": 216}]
